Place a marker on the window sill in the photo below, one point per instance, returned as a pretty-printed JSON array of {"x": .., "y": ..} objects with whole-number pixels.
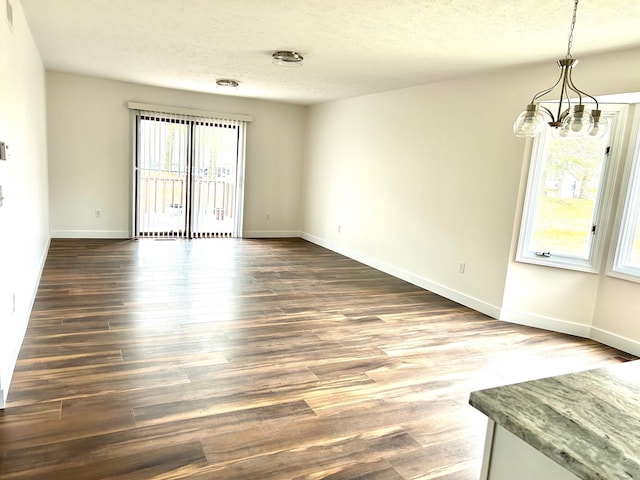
[
  {"x": 629, "y": 277},
  {"x": 564, "y": 263}
]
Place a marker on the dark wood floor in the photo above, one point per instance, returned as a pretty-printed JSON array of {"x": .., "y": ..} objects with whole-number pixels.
[{"x": 255, "y": 359}]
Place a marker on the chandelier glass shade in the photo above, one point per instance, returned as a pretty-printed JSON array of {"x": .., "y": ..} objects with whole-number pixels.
[{"x": 570, "y": 119}]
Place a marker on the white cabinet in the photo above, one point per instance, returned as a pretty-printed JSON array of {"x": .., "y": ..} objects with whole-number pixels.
[{"x": 506, "y": 457}]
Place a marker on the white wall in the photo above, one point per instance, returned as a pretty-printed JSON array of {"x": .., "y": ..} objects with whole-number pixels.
[
  {"x": 90, "y": 155},
  {"x": 24, "y": 227},
  {"x": 417, "y": 186},
  {"x": 617, "y": 315},
  {"x": 420, "y": 180}
]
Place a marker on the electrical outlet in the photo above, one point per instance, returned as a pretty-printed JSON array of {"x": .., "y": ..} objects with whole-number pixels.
[
  {"x": 268, "y": 217},
  {"x": 461, "y": 267},
  {"x": 98, "y": 213},
  {"x": 339, "y": 228}
]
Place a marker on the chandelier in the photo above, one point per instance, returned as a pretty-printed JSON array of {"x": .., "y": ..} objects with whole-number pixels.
[{"x": 570, "y": 120}]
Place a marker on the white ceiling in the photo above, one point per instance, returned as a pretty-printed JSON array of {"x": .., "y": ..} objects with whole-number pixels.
[{"x": 351, "y": 47}]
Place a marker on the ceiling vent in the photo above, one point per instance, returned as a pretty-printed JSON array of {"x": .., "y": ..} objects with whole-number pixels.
[
  {"x": 227, "y": 82},
  {"x": 287, "y": 58}
]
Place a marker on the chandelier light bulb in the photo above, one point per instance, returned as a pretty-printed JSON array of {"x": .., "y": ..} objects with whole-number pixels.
[
  {"x": 578, "y": 123},
  {"x": 529, "y": 123},
  {"x": 600, "y": 124},
  {"x": 558, "y": 133}
]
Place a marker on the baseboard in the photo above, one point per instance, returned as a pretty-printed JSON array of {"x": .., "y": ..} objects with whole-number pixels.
[
  {"x": 4, "y": 392},
  {"x": 122, "y": 234},
  {"x": 454, "y": 295},
  {"x": 546, "y": 323},
  {"x": 616, "y": 341},
  {"x": 271, "y": 234},
  {"x": 99, "y": 234}
]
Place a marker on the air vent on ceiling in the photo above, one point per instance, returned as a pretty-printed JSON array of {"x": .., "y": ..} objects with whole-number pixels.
[{"x": 9, "y": 14}]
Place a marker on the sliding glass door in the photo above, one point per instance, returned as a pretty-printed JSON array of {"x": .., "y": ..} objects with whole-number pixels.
[
  {"x": 162, "y": 176},
  {"x": 215, "y": 161},
  {"x": 188, "y": 176}
]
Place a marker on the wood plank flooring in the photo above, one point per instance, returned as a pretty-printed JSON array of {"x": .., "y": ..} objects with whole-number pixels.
[{"x": 255, "y": 359}]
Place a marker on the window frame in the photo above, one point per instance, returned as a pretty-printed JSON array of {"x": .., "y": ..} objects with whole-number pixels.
[
  {"x": 604, "y": 201},
  {"x": 628, "y": 204}
]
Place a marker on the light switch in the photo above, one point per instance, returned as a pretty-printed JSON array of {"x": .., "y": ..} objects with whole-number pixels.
[{"x": 3, "y": 151}]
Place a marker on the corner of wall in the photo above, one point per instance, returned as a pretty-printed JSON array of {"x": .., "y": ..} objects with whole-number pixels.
[
  {"x": 616, "y": 341},
  {"x": 546, "y": 323}
]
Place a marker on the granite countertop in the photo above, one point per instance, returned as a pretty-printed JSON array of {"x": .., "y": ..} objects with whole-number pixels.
[{"x": 588, "y": 422}]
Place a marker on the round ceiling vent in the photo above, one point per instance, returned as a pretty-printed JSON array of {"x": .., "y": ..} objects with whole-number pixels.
[{"x": 287, "y": 58}]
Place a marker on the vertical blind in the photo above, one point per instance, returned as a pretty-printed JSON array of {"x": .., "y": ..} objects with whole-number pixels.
[{"x": 189, "y": 175}]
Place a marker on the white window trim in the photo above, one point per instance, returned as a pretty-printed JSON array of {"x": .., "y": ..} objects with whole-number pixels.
[
  {"x": 629, "y": 190},
  {"x": 603, "y": 206}
]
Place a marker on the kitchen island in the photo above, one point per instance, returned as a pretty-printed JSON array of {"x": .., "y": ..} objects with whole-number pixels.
[{"x": 583, "y": 425}]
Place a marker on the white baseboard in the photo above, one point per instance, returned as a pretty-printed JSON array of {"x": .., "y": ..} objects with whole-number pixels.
[
  {"x": 546, "y": 323},
  {"x": 271, "y": 234},
  {"x": 120, "y": 234},
  {"x": 571, "y": 328},
  {"x": 123, "y": 234},
  {"x": 456, "y": 296},
  {"x": 4, "y": 392},
  {"x": 616, "y": 341}
]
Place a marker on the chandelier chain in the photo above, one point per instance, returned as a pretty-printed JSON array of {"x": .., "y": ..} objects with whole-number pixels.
[{"x": 573, "y": 25}]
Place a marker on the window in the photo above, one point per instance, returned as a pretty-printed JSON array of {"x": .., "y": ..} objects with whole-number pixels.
[
  {"x": 626, "y": 262},
  {"x": 568, "y": 198}
]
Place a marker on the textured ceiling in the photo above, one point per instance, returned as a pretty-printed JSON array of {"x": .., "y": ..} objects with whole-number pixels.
[{"x": 351, "y": 47}]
